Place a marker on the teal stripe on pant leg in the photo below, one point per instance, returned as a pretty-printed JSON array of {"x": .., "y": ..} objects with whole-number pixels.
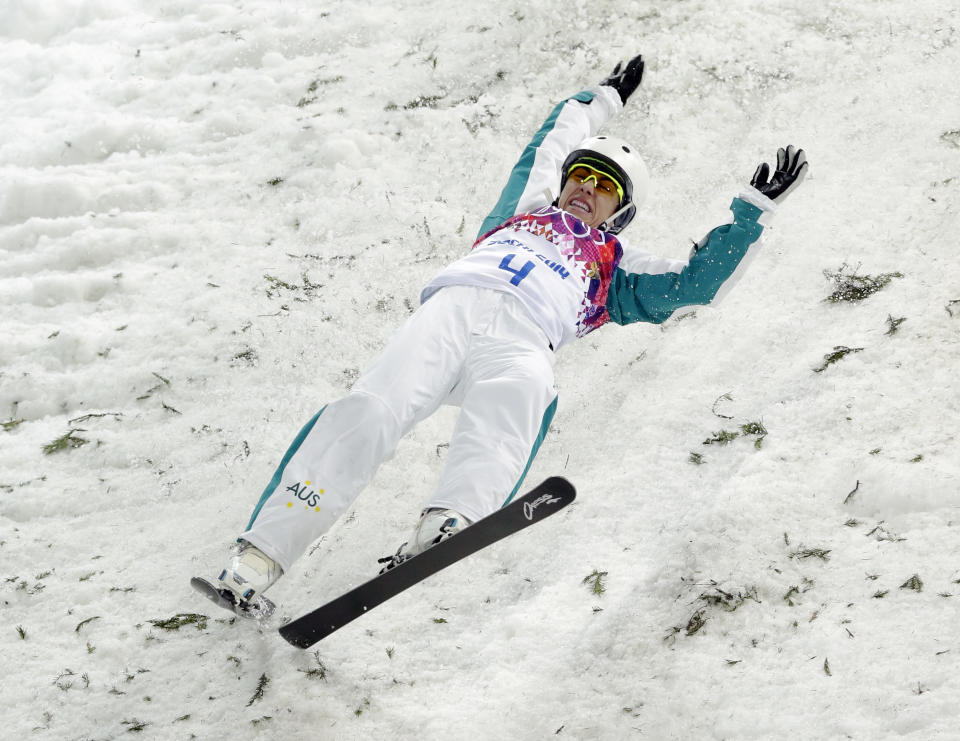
[
  {"x": 544, "y": 426},
  {"x": 278, "y": 475}
]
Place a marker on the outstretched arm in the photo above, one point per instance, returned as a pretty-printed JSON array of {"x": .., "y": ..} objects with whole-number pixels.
[
  {"x": 646, "y": 288},
  {"x": 534, "y": 180}
]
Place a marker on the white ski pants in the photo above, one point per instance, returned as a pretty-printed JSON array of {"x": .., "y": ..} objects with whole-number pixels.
[{"x": 473, "y": 347}]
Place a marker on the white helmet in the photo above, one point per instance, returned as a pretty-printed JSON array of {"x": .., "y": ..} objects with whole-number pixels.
[{"x": 624, "y": 163}]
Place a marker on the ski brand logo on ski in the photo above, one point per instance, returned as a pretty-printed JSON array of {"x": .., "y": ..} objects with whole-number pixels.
[
  {"x": 310, "y": 497},
  {"x": 530, "y": 507}
]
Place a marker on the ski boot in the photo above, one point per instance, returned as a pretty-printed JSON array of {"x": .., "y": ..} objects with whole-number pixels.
[
  {"x": 239, "y": 586},
  {"x": 435, "y": 526}
]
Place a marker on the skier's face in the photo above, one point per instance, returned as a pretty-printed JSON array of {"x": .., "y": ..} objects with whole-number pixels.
[{"x": 590, "y": 196}]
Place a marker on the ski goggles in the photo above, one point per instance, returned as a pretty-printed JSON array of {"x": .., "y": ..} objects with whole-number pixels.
[{"x": 602, "y": 181}]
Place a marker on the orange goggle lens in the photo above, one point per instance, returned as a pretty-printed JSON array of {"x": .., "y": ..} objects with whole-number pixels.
[{"x": 603, "y": 182}]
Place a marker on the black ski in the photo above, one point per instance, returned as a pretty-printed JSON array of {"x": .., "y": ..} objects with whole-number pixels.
[{"x": 537, "y": 504}]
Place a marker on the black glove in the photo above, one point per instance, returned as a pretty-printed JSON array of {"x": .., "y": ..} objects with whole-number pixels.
[
  {"x": 626, "y": 79},
  {"x": 791, "y": 170}
]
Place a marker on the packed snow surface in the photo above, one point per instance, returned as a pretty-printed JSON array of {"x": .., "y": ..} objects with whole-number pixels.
[{"x": 213, "y": 214}]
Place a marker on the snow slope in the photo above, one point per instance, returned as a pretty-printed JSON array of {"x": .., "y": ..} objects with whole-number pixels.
[{"x": 213, "y": 214}]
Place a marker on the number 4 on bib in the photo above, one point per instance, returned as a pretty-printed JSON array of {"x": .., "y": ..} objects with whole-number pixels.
[
  {"x": 518, "y": 274},
  {"x": 549, "y": 497}
]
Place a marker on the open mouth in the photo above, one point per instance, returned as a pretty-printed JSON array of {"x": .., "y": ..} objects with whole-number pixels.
[{"x": 582, "y": 205}]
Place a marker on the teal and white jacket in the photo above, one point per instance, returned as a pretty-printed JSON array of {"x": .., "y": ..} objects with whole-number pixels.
[{"x": 573, "y": 278}]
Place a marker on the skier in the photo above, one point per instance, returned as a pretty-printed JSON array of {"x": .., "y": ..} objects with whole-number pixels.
[{"x": 549, "y": 266}]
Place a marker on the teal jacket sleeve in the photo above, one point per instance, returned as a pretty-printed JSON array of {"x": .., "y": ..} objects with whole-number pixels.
[{"x": 646, "y": 288}]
